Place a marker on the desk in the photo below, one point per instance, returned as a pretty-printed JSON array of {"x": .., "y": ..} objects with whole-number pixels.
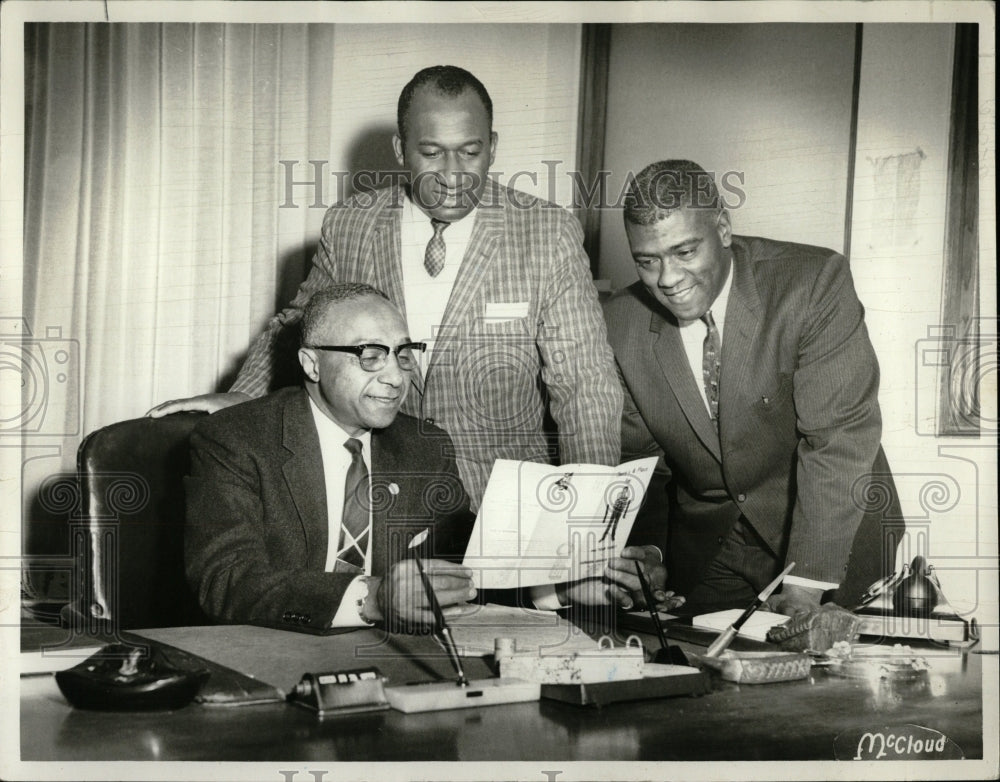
[{"x": 786, "y": 721}]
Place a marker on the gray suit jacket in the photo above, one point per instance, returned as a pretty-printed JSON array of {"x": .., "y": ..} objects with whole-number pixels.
[
  {"x": 491, "y": 379},
  {"x": 256, "y": 534},
  {"x": 797, "y": 451}
]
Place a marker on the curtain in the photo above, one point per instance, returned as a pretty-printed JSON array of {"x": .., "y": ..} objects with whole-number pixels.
[{"x": 154, "y": 242}]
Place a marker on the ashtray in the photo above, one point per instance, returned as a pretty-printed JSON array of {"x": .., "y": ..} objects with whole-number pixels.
[{"x": 760, "y": 667}]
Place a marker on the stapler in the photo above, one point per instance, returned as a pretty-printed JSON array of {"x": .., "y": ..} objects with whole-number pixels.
[{"x": 121, "y": 677}]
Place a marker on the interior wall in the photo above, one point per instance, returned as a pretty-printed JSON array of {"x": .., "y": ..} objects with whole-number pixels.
[
  {"x": 947, "y": 484},
  {"x": 535, "y": 115},
  {"x": 769, "y": 102}
]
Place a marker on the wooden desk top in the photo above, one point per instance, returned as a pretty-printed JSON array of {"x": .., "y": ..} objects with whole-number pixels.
[{"x": 786, "y": 721}]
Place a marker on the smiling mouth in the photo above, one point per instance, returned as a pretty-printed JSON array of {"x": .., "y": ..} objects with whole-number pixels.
[{"x": 680, "y": 294}]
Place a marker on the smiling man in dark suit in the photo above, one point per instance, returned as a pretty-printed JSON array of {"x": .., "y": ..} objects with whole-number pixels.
[
  {"x": 301, "y": 504},
  {"x": 747, "y": 367}
]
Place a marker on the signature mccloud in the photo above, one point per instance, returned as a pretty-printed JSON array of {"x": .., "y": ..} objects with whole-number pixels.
[{"x": 901, "y": 742}]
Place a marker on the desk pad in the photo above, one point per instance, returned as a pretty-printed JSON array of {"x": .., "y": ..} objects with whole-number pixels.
[{"x": 278, "y": 658}]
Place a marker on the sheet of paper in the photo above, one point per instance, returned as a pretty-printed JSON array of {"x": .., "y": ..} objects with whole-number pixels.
[
  {"x": 540, "y": 524},
  {"x": 755, "y": 627},
  {"x": 533, "y": 631}
]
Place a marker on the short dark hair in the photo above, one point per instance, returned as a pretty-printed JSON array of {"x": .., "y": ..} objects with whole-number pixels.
[
  {"x": 664, "y": 187},
  {"x": 448, "y": 80},
  {"x": 314, "y": 315}
]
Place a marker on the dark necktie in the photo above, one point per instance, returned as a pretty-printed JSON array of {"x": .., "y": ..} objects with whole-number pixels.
[
  {"x": 354, "y": 521},
  {"x": 711, "y": 353},
  {"x": 435, "y": 253}
]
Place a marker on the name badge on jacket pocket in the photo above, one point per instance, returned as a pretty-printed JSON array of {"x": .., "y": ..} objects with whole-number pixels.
[{"x": 506, "y": 310}]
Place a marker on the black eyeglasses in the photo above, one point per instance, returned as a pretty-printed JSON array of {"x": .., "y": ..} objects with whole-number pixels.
[{"x": 374, "y": 357}]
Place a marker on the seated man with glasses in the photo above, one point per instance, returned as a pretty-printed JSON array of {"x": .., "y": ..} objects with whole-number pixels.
[{"x": 300, "y": 504}]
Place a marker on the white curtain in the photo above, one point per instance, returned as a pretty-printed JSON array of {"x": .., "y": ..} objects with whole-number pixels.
[{"x": 155, "y": 247}]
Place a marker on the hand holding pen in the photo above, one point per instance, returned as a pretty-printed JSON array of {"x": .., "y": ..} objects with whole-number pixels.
[
  {"x": 440, "y": 624},
  {"x": 625, "y": 587}
]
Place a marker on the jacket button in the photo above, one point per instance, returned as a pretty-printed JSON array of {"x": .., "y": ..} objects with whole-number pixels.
[
  {"x": 720, "y": 540},
  {"x": 429, "y": 421},
  {"x": 741, "y": 498}
]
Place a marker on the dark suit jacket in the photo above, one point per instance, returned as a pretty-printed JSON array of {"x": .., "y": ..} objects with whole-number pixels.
[
  {"x": 256, "y": 534},
  {"x": 799, "y": 422}
]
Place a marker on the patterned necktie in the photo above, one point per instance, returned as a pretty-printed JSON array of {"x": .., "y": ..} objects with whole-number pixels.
[
  {"x": 435, "y": 252},
  {"x": 354, "y": 521},
  {"x": 711, "y": 353}
]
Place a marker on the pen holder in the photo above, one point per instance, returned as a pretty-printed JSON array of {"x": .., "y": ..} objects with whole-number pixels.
[{"x": 448, "y": 695}]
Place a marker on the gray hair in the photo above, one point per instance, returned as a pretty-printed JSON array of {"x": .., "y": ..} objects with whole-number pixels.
[{"x": 315, "y": 313}]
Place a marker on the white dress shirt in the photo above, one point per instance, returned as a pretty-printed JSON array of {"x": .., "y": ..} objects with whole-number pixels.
[
  {"x": 336, "y": 462},
  {"x": 427, "y": 297}
]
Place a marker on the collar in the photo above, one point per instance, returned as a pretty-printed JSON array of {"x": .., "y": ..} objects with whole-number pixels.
[
  {"x": 413, "y": 214},
  {"x": 330, "y": 431}
]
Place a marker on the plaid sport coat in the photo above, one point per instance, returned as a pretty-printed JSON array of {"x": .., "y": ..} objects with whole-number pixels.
[{"x": 523, "y": 333}]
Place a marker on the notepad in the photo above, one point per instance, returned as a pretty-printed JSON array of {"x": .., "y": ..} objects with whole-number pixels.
[{"x": 755, "y": 627}]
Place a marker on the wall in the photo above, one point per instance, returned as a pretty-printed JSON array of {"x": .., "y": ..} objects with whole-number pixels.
[
  {"x": 535, "y": 114},
  {"x": 772, "y": 101},
  {"x": 947, "y": 485}
]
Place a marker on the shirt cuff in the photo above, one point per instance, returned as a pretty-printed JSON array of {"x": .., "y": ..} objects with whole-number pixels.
[
  {"x": 544, "y": 597},
  {"x": 349, "y": 612},
  {"x": 808, "y": 582}
]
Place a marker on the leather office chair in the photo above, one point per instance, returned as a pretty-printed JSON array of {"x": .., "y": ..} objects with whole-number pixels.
[{"x": 128, "y": 543}]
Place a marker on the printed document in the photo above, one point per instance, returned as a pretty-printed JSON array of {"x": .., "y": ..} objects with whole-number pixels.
[{"x": 540, "y": 524}]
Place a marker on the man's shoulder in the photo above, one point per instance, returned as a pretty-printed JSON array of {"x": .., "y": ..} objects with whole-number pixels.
[
  {"x": 783, "y": 267},
  {"x": 629, "y": 313},
  {"x": 521, "y": 207},
  {"x": 365, "y": 205},
  {"x": 407, "y": 427},
  {"x": 760, "y": 250},
  {"x": 252, "y": 418},
  {"x": 628, "y": 301}
]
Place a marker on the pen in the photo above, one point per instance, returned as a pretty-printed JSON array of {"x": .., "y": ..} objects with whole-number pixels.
[
  {"x": 441, "y": 628},
  {"x": 650, "y": 604},
  {"x": 674, "y": 654},
  {"x": 727, "y": 635}
]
